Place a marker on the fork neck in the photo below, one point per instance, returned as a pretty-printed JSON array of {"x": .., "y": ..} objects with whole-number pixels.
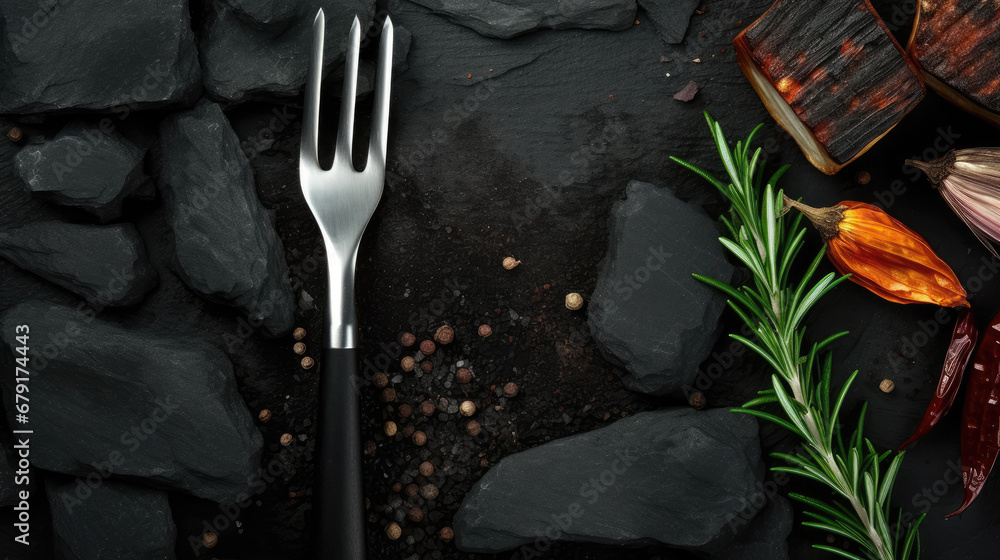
[{"x": 341, "y": 315}]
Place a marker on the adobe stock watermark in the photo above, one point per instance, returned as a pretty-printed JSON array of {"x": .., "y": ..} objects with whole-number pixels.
[
  {"x": 942, "y": 144},
  {"x": 131, "y": 439},
  {"x": 590, "y": 493}
]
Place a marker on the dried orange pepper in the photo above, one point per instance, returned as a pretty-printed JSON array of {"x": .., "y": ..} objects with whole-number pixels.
[{"x": 883, "y": 255}]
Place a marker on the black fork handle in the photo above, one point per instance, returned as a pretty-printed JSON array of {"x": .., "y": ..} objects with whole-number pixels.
[{"x": 340, "y": 497}]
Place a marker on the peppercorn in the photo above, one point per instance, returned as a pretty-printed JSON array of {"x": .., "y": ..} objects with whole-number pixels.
[
  {"x": 429, "y": 491},
  {"x": 426, "y": 468},
  {"x": 299, "y": 333},
  {"x": 473, "y": 428},
  {"x": 264, "y": 415},
  {"x": 697, "y": 400},
  {"x": 307, "y": 363},
  {"x": 468, "y": 408},
  {"x": 463, "y": 375},
  {"x": 419, "y": 438},
  {"x": 444, "y": 334},
  {"x": 574, "y": 301},
  {"x": 485, "y": 330},
  {"x": 15, "y": 135},
  {"x": 210, "y": 540},
  {"x": 380, "y": 380},
  {"x": 408, "y": 431},
  {"x": 412, "y": 490},
  {"x": 408, "y": 339},
  {"x": 405, "y": 410},
  {"x": 407, "y": 363},
  {"x": 286, "y": 439},
  {"x": 446, "y": 534},
  {"x": 510, "y": 390},
  {"x": 393, "y": 531},
  {"x": 427, "y": 407},
  {"x": 484, "y": 462},
  {"x": 370, "y": 448},
  {"x": 397, "y": 488},
  {"x": 510, "y": 263},
  {"x": 887, "y": 385},
  {"x": 426, "y": 366},
  {"x": 863, "y": 177},
  {"x": 390, "y": 428},
  {"x": 299, "y": 348},
  {"x": 416, "y": 515},
  {"x": 427, "y": 347},
  {"x": 388, "y": 395}
]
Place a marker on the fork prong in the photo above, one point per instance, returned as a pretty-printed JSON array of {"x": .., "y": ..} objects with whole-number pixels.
[
  {"x": 345, "y": 134},
  {"x": 380, "y": 113},
  {"x": 309, "y": 151}
]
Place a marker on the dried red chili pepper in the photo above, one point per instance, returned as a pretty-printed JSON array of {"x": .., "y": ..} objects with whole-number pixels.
[
  {"x": 981, "y": 416},
  {"x": 963, "y": 340},
  {"x": 883, "y": 255}
]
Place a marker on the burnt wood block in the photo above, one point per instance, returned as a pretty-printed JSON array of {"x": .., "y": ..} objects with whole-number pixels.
[
  {"x": 831, "y": 74},
  {"x": 956, "y": 44}
]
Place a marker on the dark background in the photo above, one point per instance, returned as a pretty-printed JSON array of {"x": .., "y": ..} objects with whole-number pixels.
[{"x": 525, "y": 158}]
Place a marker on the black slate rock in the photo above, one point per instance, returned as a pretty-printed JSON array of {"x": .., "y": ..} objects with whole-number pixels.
[
  {"x": 671, "y": 17},
  {"x": 266, "y": 14},
  {"x": 678, "y": 477},
  {"x": 115, "y": 520},
  {"x": 226, "y": 246},
  {"x": 647, "y": 311},
  {"x": 242, "y": 61},
  {"x": 766, "y": 535},
  {"x": 84, "y": 166},
  {"x": 508, "y": 19},
  {"x": 8, "y": 490},
  {"x": 106, "y": 265},
  {"x": 125, "y": 401},
  {"x": 96, "y": 54}
]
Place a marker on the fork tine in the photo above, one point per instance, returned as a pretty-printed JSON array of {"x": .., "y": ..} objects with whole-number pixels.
[
  {"x": 380, "y": 113},
  {"x": 345, "y": 134},
  {"x": 309, "y": 151}
]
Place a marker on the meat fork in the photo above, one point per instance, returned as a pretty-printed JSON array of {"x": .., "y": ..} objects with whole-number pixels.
[{"x": 342, "y": 200}]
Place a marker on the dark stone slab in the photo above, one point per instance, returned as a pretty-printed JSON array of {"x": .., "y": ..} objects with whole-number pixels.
[
  {"x": 123, "y": 400},
  {"x": 115, "y": 520},
  {"x": 765, "y": 537},
  {"x": 508, "y": 19},
  {"x": 266, "y": 14},
  {"x": 671, "y": 17},
  {"x": 243, "y": 61},
  {"x": 106, "y": 265},
  {"x": 677, "y": 477},
  {"x": 84, "y": 166},
  {"x": 8, "y": 490},
  {"x": 96, "y": 54},
  {"x": 647, "y": 311},
  {"x": 226, "y": 246}
]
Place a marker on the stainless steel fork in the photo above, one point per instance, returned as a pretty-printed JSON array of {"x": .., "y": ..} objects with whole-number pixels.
[{"x": 342, "y": 200}]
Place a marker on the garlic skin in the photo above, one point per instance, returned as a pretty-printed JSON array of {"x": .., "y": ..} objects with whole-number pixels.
[{"x": 969, "y": 181}]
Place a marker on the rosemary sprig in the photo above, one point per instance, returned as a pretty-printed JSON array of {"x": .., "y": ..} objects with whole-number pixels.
[{"x": 774, "y": 307}]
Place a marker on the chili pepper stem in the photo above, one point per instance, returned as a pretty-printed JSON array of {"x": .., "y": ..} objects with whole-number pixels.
[
  {"x": 826, "y": 220},
  {"x": 935, "y": 170}
]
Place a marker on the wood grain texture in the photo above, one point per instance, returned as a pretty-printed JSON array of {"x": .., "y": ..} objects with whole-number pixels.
[
  {"x": 957, "y": 42},
  {"x": 837, "y": 67}
]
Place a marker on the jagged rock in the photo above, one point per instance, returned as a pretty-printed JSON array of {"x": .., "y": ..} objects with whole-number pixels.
[
  {"x": 84, "y": 166},
  {"x": 671, "y": 17},
  {"x": 96, "y": 54},
  {"x": 106, "y": 265},
  {"x": 647, "y": 311},
  {"x": 266, "y": 14},
  {"x": 765, "y": 536},
  {"x": 226, "y": 246},
  {"x": 244, "y": 62},
  {"x": 109, "y": 521},
  {"x": 678, "y": 477},
  {"x": 507, "y": 19},
  {"x": 125, "y": 401}
]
